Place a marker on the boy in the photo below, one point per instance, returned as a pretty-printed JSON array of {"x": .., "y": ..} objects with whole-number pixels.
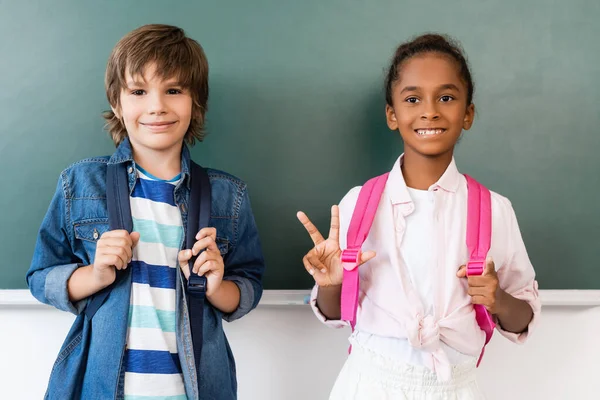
[{"x": 140, "y": 345}]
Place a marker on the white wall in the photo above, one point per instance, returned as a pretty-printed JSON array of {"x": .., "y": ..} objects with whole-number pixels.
[{"x": 284, "y": 353}]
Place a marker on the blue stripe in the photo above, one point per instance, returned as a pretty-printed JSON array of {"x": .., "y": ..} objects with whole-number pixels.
[
  {"x": 151, "y": 362},
  {"x": 153, "y": 232},
  {"x": 158, "y": 276},
  {"x": 149, "y": 175},
  {"x": 158, "y": 191}
]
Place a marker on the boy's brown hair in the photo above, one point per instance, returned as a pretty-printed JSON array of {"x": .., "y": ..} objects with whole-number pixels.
[{"x": 175, "y": 56}]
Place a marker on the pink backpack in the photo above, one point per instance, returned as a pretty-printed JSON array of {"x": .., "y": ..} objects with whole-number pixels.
[{"x": 479, "y": 233}]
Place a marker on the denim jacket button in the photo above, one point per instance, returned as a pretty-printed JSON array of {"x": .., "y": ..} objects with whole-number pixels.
[
  {"x": 95, "y": 234},
  {"x": 130, "y": 170}
]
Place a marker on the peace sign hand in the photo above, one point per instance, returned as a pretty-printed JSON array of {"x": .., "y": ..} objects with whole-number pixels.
[{"x": 323, "y": 261}]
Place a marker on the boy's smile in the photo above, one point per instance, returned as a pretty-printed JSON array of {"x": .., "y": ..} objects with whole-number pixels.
[{"x": 159, "y": 126}]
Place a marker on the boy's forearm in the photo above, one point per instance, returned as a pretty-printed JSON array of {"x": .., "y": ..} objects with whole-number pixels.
[
  {"x": 514, "y": 314},
  {"x": 227, "y": 298},
  {"x": 328, "y": 301},
  {"x": 83, "y": 283}
]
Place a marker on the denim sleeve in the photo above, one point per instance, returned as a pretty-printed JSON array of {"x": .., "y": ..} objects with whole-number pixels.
[
  {"x": 53, "y": 260},
  {"x": 244, "y": 264}
]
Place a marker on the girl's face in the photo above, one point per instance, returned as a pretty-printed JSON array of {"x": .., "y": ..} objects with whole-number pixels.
[{"x": 430, "y": 105}]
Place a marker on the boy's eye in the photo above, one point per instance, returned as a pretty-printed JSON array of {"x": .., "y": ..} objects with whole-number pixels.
[
  {"x": 446, "y": 99},
  {"x": 174, "y": 91},
  {"x": 137, "y": 92},
  {"x": 412, "y": 100}
]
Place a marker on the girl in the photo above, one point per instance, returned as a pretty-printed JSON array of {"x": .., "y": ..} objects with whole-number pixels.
[{"x": 416, "y": 335}]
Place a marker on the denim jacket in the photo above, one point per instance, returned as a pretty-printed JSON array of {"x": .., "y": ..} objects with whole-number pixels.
[{"x": 75, "y": 220}]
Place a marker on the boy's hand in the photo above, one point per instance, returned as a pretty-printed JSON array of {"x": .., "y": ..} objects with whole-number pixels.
[
  {"x": 113, "y": 251},
  {"x": 209, "y": 263},
  {"x": 323, "y": 261},
  {"x": 484, "y": 289}
]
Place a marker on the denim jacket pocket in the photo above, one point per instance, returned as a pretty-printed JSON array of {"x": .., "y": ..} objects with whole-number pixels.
[{"x": 89, "y": 232}]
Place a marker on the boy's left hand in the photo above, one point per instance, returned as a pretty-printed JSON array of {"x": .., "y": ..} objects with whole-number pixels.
[
  {"x": 209, "y": 263},
  {"x": 484, "y": 289}
]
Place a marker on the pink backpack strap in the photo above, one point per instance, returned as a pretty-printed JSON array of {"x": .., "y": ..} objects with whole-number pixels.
[
  {"x": 479, "y": 236},
  {"x": 360, "y": 224}
]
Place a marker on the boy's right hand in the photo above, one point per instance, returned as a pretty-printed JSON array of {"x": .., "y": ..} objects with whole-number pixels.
[
  {"x": 324, "y": 262},
  {"x": 113, "y": 251}
]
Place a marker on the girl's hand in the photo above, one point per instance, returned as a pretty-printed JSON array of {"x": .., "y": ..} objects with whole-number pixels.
[
  {"x": 323, "y": 261},
  {"x": 484, "y": 289}
]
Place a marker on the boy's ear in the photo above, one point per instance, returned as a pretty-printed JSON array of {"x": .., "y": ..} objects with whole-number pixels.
[
  {"x": 390, "y": 117},
  {"x": 469, "y": 116}
]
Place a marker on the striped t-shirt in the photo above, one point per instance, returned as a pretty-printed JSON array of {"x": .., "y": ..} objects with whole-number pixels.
[{"x": 152, "y": 368}]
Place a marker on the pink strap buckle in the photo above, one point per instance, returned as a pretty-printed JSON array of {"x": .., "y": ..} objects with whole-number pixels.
[
  {"x": 351, "y": 258},
  {"x": 475, "y": 267}
]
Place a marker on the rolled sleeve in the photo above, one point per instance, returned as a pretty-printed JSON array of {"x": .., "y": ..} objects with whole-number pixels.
[
  {"x": 56, "y": 291},
  {"x": 530, "y": 295},
  {"x": 517, "y": 278},
  {"x": 246, "y": 298},
  {"x": 53, "y": 260},
  {"x": 332, "y": 323},
  {"x": 245, "y": 265}
]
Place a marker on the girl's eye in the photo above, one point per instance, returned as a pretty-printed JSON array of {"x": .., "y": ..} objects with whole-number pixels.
[
  {"x": 446, "y": 99},
  {"x": 412, "y": 100},
  {"x": 174, "y": 91},
  {"x": 137, "y": 92}
]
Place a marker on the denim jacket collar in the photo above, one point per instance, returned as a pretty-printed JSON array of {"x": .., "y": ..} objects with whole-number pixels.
[{"x": 124, "y": 154}]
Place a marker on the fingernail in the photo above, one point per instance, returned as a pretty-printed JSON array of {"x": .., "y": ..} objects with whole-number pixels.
[
  {"x": 323, "y": 270},
  {"x": 310, "y": 271}
]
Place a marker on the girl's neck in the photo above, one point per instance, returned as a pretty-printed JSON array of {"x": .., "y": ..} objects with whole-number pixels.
[
  {"x": 161, "y": 164},
  {"x": 420, "y": 172}
]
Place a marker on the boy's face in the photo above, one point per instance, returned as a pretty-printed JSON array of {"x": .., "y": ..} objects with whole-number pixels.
[{"x": 156, "y": 112}]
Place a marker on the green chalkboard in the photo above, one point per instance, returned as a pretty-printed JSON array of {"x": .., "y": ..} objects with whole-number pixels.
[{"x": 297, "y": 111}]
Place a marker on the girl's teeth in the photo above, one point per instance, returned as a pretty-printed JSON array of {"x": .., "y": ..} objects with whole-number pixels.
[{"x": 429, "y": 131}]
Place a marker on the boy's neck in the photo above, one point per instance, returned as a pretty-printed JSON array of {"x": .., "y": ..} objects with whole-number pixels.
[
  {"x": 163, "y": 164},
  {"x": 420, "y": 172}
]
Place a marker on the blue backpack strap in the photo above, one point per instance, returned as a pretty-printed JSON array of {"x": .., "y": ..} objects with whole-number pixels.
[
  {"x": 198, "y": 218},
  {"x": 119, "y": 217}
]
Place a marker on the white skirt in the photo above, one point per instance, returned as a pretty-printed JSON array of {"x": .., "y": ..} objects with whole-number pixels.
[{"x": 367, "y": 375}]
